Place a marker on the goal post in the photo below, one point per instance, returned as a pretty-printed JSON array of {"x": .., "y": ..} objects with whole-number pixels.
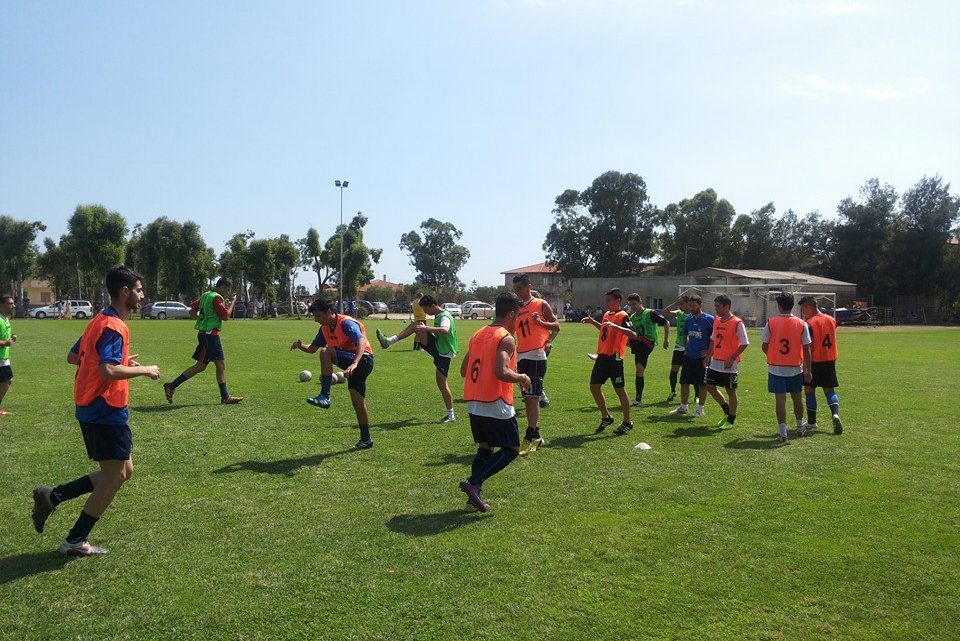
[{"x": 756, "y": 303}]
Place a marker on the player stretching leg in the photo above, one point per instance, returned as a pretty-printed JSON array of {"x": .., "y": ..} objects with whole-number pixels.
[
  {"x": 786, "y": 342},
  {"x": 101, "y": 391},
  {"x": 644, "y": 322},
  {"x": 419, "y": 320},
  {"x": 697, "y": 329},
  {"x": 823, "y": 370},
  {"x": 489, "y": 372},
  {"x": 679, "y": 310},
  {"x": 535, "y": 323},
  {"x": 728, "y": 342},
  {"x": 615, "y": 331},
  {"x": 7, "y": 339}
]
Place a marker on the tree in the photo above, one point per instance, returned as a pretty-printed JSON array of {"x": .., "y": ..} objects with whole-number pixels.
[
  {"x": 57, "y": 265},
  {"x": 262, "y": 268},
  {"x": 862, "y": 234},
  {"x": 697, "y": 232},
  {"x": 97, "y": 239},
  {"x": 234, "y": 262},
  {"x": 18, "y": 253},
  {"x": 436, "y": 256},
  {"x": 607, "y": 229},
  {"x": 358, "y": 259},
  {"x": 311, "y": 254},
  {"x": 172, "y": 257},
  {"x": 287, "y": 257}
]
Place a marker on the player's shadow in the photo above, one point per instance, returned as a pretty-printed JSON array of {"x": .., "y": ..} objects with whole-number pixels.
[
  {"x": 696, "y": 430},
  {"x": 575, "y": 441},
  {"x": 405, "y": 422},
  {"x": 592, "y": 409},
  {"x": 18, "y": 566},
  {"x": 431, "y": 524},
  {"x": 666, "y": 418},
  {"x": 148, "y": 409},
  {"x": 764, "y": 443},
  {"x": 286, "y": 467},
  {"x": 451, "y": 459}
]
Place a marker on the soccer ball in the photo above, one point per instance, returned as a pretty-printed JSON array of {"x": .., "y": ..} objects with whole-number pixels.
[
  {"x": 338, "y": 378},
  {"x": 305, "y": 376}
]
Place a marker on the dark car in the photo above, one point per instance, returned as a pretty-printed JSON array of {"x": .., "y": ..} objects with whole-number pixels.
[{"x": 242, "y": 310}]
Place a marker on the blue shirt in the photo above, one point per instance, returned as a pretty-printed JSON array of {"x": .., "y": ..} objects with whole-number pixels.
[
  {"x": 109, "y": 350},
  {"x": 698, "y": 330},
  {"x": 350, "y": 329}
]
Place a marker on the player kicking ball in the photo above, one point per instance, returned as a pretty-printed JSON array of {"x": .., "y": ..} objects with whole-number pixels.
[
  {"x": 615, "y": 331},
  {"x": 490, "y": 371},
  {"x": 728, "y": 342},
  {"x": 439, "y": 341},
  {"x": 344, "y": 342},
  {"x": 786, "y": 342},
  {"x": 823, "y": 368}
]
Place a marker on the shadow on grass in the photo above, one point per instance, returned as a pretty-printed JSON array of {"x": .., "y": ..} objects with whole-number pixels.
[
  {"x": 18, "y": 566},
  {"x": 396, "y": 425},
  {"x": 759, "y": 443},
  {"x": 666, "y": 418},
  {"x": 286, "y": 467},
  {"x": 431, "y": 524},
  {"x": 697, "y": 430},
  {"x": 578, "y": 440},
  {"x": 162, "y": 408},
  {"x": 452, "y": 459},
  {"x": 592, "y": 409}
]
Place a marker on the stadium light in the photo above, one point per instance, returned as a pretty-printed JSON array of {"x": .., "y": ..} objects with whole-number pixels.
[
  {"x": 341, "y": 185},
  {"x": 685, "y": 251}
]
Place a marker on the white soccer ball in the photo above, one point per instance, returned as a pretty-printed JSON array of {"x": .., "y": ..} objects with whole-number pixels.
[
  {"x": 305, "y": 376},
  {"x": 338, "y": 378}
]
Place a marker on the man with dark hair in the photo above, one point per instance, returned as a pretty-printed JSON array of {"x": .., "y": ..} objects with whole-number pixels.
[
  {"x": 544, "y": 400},
  {"x": 101, "y": 392},
  {"x": 823, "y": 367},
  {"x": 439, "y": 341},
  {"x": 489, "y": 372},
  {"x": 345, "y": 344},
  {"x": 727, "y": 343},
  {"x": 644, "y": 322},
  {"x": 7, "y": 339},
  {"x": 536, "y": 323},
  {"x": 677, "y": 309},
  {"x": 697, "y": 330},
  {"x": 786, "y": 342},
  {"x": 615, "y": 331},
  {"x": 210, "y": 313}
]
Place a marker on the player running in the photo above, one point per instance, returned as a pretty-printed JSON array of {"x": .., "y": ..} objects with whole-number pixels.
[
  {"x": 615, "y": 331},
  {"x": 7, "y": 339},
  {"x": 679, "y": 311},
  {"x": 101, "y": 391},
  {"x": 439, "y": 341},
  {"x": 823, "y": 369},
  {"x": 697, "y": 329},
  {"x": 786, "y": 342},
  {"x": 489, "y": 372},
  {"x": 727, "y": 343},
  {"x": 536, "y": 323},
  {"x": 544, "y": 399},
  {"x": 644, "y": 322},
  {"x": 210, "y": 313},
  {"x": 345, "y": 344}
]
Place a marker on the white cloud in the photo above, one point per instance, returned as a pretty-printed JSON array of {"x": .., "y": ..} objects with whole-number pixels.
[{"x": 816, "y": 86}]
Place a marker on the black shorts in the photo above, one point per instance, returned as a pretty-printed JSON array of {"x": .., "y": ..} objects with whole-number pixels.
[
  {"x": 536, "y": 370},
  {"x": 726, "y": 380},
  {"x": 693, "y": 371},
  {"x": 496, "y": 432},
  {"x": 442, "y": 363},
  {"x": 107, "y": 442},
  {"x": 6, "y": 374},
  {"x": 677, "y": 357},
  {"x": 358, "y": 380},
  {"x": 209, "y": 348},
  {"x": 607, "y": 368},
  {"x": 824, "y": 374},
  {"x": 641, "y": 351}
]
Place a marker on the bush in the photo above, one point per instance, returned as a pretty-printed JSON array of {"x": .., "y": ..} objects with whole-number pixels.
[{"x": 362, "y": 312}]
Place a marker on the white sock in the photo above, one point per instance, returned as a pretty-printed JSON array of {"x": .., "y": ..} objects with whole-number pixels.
[
  {"x": 684, "y": 406},
  {"x": 450, "y": 412},
  {"x": 799, "y": 422},
  {"x": 783, "y": 429},
  {"x": 392, "y": 339}
]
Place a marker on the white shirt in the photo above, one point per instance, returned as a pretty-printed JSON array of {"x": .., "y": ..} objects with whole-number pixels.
[
  {"x": 721, "y": 366},
  {"x": 497, "y": 409},
  {"x": 786, "y": 371}
]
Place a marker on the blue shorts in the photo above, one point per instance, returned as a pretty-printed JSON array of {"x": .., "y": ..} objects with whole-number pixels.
[
  {"x": 209, "y": 348},
  {"x": 784, "y": 384},
  {"x": 495, "y": 432},
  {"x": 357, "y": 382},
  {"x": 107, "y": 442}
]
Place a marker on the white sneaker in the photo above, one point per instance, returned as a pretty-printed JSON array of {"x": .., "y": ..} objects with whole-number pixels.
[
  {"x": 806, "y": 428},
  {"x": 680, "y": 411},
  {"x": 699, "y": 413},
  {"x": 83, "y": 548}
]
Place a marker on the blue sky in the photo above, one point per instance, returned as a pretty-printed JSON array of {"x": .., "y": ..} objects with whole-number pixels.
[{"x": 241, "y": 115}]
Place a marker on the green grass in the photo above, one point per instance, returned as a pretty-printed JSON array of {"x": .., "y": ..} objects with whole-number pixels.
[{"x": 257, "y": 522}]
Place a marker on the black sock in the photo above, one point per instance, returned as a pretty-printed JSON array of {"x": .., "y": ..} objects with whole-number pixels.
[
  {"x": 835, "y": 408},
  {"x": 732, "y": 418},
  {"x": 81, "y": 529},
  {"x": 223, "y": 390},
  {"x": 502, "y": 458},
  {"x": 364, "y": 432},
  {"x": 673, "y": 382},
  {"x": 531, "y": 433},
  {"x": 479, "y": 461},
  {"x": 726, "y": 408},
  {"x": 639, "y": 388},
  {"x": 811, "y": 417},
  {"x": 178, "y": 381},
  {"x": 696, "y": 391},
  {"x": 71, "y": 490}
]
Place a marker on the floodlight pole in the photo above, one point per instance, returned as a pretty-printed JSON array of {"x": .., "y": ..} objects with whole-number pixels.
[
  {"x": 341, "y": 185},
  {"x": 685, "y": 251}
]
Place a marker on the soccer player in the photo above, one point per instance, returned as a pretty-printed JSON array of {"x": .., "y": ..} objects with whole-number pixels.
[
  {"x": 544, "y": 400},
  {"x": 679, "y": 310},
  {"x": 489, "y": 372},
  {"x": 823, "y": 369},
  {"x": 210, "y": 313},
  {"x": 535, "y": 324},
  {"x": 101, "y": 391},
  {"x": 727, "y": 343},
  {"x": 439, "y": 341},
  {"x": 697, "y": 328},
  {"x": 615, "y": 331},
  {"x": 644, "y": 322},
  {"x": 7, "y": 339},
  {"x": 786, "y": 342},
  {"x": 345, "y": 344}
]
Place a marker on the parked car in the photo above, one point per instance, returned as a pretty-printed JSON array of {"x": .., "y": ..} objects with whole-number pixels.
[
  {"x": 242, "y": 310},
  {"x": 476, "y": 310},
  {"x": 399, "y": 307},
  {"x": 163, "y": 309},
  {"x": 78, "y": 309},
  {"x": 299, "y": 307},
  {"x": 455, "y": 310},
  {"x": 365, "y": 304},
  {"x": 469, "y": 302},
  {"x": 379, "y": 308}
]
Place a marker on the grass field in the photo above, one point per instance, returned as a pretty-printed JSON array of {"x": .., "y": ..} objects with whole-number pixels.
[{"x": 258, "y": 522}]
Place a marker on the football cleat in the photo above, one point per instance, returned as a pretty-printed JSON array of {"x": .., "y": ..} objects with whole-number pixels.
[
  {"x": 544, "y": 401},
  {"x": 782, "y": 439},
  {"x": 81, "y": 548},
  {"x": 168, "y": 390},
  {"x": 231, "y": 400},
  {"x": 448, "y": 419},
  {"x": 364, "y": 444},
  {"x": 473, "y": 496},
  {"x": 623, "y": 428},
  {"x": 635, "y": 402},
  {"x": 42, "y": 508},
  {"x": 672, "y": 396},
  {"x": 699, "y": 412},
  {"x": 604, "y": 424},
  {"x": 806, "y": 428},
  {"x": 319, "y": 401},
  {"x": 837, "y": 424},
  {"x": 679, "y": 411},
  {"x": 726, "y": 425},
  {"x": 383, "y": 341}
]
